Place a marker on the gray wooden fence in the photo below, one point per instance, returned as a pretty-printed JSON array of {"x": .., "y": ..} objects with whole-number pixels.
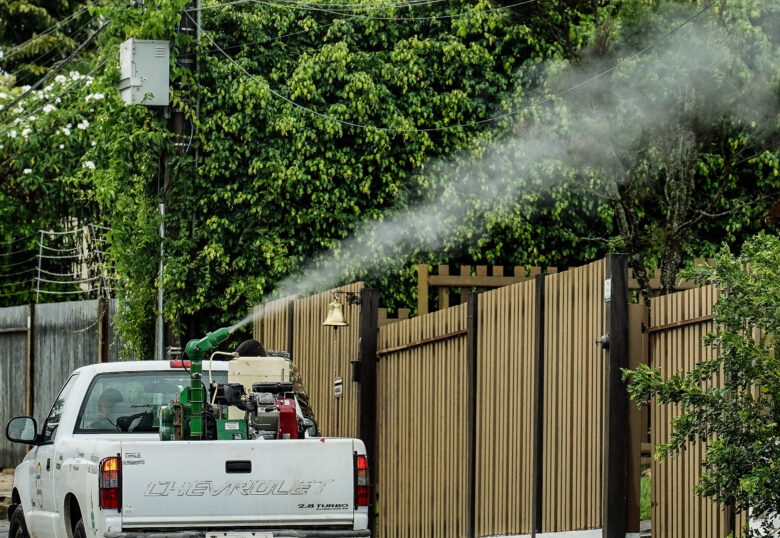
[{"x": 40, "y": 345}]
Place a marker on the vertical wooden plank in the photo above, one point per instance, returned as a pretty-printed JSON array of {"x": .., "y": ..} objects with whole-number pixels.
[
  {"x": 471, "y": 359},
  {"x": 422, "y": 289},
  {"x": 465, "y": 270},
  {"x": 444, "y": 291},
  {"x": 638, "y": 318},
  {"x": 538, "y": 402}
]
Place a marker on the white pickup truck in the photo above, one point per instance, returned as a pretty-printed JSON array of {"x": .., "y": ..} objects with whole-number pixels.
[{"x": 87, "y": 477}]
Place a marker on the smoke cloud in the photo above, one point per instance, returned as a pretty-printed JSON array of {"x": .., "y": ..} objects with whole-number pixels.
[{"x": 700, "y": 74}]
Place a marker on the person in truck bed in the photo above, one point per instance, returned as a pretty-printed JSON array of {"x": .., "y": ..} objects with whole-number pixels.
[{"x": 253, "y": 348}]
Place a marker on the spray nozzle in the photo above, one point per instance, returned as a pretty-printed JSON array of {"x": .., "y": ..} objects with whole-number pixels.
[{"x": 197, "y": 349}]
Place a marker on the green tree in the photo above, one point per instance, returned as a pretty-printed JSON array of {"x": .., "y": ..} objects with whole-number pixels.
[
  {"x": 36, "y": 34},
  {"x": 740, "y": 419}
]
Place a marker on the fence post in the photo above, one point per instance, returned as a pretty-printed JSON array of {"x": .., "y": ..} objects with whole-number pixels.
[
  {"x": 472, "y": 325},
  {"x": 30, "y": 366},
  {"x": 615, "y": 399},
  {"x": 422, "y": 289},
  {"x": 103, "y": 343},
  {"x": 290, "y": 327},
  {"x": 369, "y": 326},
  {"x": 538, "y": 445}
]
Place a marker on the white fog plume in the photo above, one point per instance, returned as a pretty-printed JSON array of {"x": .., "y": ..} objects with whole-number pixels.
[{"x": 700, "y": 72}]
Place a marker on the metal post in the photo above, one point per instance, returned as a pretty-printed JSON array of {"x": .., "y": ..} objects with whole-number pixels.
[
  {"x": 160, "y": 332},
  {"x": 40, "y": 260}
]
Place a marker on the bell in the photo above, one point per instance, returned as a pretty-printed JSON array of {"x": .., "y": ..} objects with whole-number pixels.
[{"x": 335, "y": 317}]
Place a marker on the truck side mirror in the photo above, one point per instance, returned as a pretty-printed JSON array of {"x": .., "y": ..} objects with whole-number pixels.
[
  {"x": 22, "y": 430},
  {"x": 310, "y": 425}
]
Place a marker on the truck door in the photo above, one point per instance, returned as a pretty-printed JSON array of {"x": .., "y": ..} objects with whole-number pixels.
[{"x": 44, "y": 513}]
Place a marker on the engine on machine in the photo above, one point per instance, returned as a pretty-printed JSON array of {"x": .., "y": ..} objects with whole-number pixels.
[{"x": 257, "y": 402}]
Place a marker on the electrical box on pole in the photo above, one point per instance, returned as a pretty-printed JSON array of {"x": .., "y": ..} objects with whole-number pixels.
[{"x": 144, "y": 67}]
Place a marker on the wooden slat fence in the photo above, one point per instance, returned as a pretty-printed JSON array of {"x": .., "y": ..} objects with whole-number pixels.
[
  {"x": 321, "y": 353},
  {"x": 678, "y": 323},
  {"x": 272, "y": 324},
  {"x": 38, "y": 355},
  {"x": 505, "y": 404},
  {"x": 467, "y": 278},
  {"x": 575, "y": 316},
  {"x": 14, "y": 377},
  {"x": 422, "y": 423}
]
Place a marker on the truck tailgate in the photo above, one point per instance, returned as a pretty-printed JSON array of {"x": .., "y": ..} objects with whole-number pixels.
[{"x": 279, "y": 483}]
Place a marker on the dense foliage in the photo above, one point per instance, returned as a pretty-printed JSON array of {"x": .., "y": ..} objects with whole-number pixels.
[
  {"x": 36, "y": 34},
  {"x": 740, "y": 420},
  {"x": 267, "y": 183}
]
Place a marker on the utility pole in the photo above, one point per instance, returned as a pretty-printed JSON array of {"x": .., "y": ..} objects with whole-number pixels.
[{"x": 184, "y": 131}]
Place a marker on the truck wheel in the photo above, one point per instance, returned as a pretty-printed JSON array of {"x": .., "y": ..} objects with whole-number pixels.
[
  {"x": 18, "y": 528},
  {"x": 79, "y": 531}
]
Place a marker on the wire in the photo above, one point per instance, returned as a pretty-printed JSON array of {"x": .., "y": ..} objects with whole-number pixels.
[
  {"x": 78, "y": 31},
  {"x": 42, "y": 105},
  {"x": 9, "y": 265},
  {"x": 460, "y": 125},
  {"x": 28, "y": 270},
  {"x": 208, "y": 51},
  {"x": 71, "y": 257},
  {"x": 59, "y": 250},
  {"x": 70, "y": 275},
  {"x": 17, "y": 48},
  {"x": 305, "y": 7},
  {"x": 324, "y": 4},
  {"x": 15, "y": 293},
  {"x": 60, "y": 67},
  {"x": 17, "y": 252},
  {"x": 12, "y": 241},
  {"x": 85, "y": 281},
  {"x": 49, "y": 292},
  {"x": 22, "y": 283},
  {"x": 65, "y": 232}
]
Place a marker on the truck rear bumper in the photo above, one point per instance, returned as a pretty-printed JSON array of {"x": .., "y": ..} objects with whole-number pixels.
[{"x": 277, "y": 533}]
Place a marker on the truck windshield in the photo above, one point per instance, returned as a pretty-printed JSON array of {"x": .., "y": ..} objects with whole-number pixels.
[{"x": 129, "y": 402}]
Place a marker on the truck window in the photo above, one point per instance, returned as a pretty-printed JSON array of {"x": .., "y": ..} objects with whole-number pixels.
[
  {"x": 130, "y": 402},
  {"x": 53, "y": 420}
]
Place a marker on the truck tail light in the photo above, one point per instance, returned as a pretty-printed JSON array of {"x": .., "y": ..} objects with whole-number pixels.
[
  {"x": 110, "y": 483},
  {"x": 362, "y": 483},
  {"x": 179, "y": 364}
]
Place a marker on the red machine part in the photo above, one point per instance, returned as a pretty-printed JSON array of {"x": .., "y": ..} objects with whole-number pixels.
[{"x": 288, "y": 419}]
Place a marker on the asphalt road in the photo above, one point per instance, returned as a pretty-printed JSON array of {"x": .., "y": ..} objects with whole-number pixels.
[{"x": 4, "y": 529}]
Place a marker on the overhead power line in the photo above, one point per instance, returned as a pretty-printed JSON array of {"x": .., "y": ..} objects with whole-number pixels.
[
  {"x": 305, "y": 6},
  {"x": 18, "y": 48},
  {"x": 81, "y": 31},
  {"x": 60, "y": 67},
  {"x": 72, "y": 85},
  {"x": 334, "y": 5},
  {"x": 460, "y": 125}
]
